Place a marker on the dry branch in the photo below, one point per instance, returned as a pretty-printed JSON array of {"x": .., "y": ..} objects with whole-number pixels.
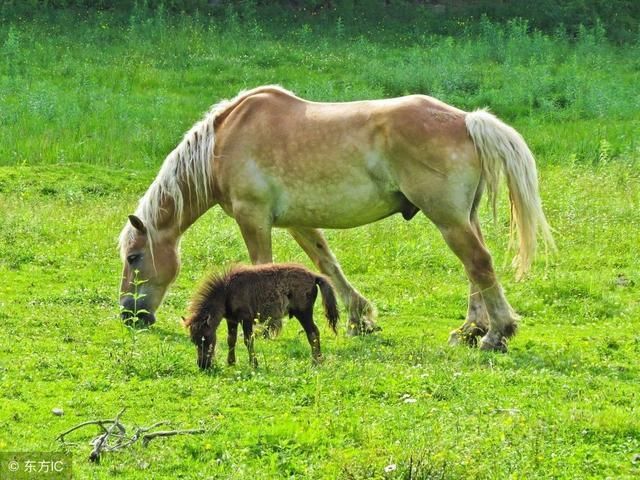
[
  {"x": 100, "y": 441},
  {"x": 114, "y": 435},
  {"x": 100, "y": 423},
  {"x": 147, "y": 437}
]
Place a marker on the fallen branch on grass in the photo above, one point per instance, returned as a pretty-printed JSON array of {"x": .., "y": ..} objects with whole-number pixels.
[
  {"x": 114, "y": 435},
  {"x": 100, "y": 442}
]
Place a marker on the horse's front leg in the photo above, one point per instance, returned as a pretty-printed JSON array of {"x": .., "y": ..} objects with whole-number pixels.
[
  {"x": 361, "y": 312},
  {"x": 256, "y": 232}
]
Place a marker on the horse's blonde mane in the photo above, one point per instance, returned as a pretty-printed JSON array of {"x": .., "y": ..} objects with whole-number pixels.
[{"x": 188, "y": 167}]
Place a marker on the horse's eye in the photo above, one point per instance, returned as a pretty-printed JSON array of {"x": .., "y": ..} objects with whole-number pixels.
[{"x": 133, "y": 258}]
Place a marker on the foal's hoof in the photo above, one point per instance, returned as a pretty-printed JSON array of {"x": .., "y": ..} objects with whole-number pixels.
[{"x": 491, "y": 345}]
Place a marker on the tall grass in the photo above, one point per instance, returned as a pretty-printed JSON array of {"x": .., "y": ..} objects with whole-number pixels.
[{"x": 104, "y": 89}]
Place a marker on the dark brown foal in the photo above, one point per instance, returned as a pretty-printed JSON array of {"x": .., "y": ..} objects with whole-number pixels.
[{"x": 262, "y": 293}]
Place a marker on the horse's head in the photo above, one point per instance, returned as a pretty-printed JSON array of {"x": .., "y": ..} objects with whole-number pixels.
[{"x": 151, "y": 262}]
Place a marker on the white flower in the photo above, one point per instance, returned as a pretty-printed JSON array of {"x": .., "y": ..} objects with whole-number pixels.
[{"x": 390, "y": 468}]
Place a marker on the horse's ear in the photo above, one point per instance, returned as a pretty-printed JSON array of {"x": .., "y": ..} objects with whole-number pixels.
[{"x": 137, "y": 224}]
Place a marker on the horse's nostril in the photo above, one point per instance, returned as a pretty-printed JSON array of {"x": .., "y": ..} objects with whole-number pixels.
[
  {"x": 138, "y": 319},
  {"x": 148, "y": 318}
]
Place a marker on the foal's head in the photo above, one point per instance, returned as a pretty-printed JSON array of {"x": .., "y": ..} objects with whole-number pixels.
[
  {"x": 205, "y": 313},
  {"x": 151, "y": 262},
  {"x": 202, "y": 332}
]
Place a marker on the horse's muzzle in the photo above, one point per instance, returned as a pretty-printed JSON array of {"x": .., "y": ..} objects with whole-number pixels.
[
  {"x": 136, "y": 315},
  {"x": 143, "y": 319}
]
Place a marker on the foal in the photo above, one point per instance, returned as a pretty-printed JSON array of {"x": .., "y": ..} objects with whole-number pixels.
[{"x": 263, "y": 293}]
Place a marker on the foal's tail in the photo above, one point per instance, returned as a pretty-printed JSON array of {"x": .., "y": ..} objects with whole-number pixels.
[
  {"x": 501, "y": 147},
  {"x": 329, "y": 302}
]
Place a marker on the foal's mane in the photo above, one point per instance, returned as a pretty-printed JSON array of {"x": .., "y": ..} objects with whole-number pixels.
[
  {"x": 212, "y": 285},
  {"x": 188, "y": 169}
]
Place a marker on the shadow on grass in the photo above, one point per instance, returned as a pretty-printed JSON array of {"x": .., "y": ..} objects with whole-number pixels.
[{"x": 597, "y": 362}]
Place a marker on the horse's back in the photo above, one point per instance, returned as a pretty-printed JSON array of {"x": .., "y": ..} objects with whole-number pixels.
[
  {"x": 334, "y": 165},
  {"x": 281, "y": 111}
]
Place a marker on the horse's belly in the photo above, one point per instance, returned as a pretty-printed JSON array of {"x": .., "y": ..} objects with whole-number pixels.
[
  {"x": 352, "y": 189},
  {"x": 335, "y": 208}
]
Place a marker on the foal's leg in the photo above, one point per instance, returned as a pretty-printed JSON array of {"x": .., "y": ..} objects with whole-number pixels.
[
  {"x": 477, "y": 320},
  {"x": 247, "y": 330},
  {"x": 361, "y": 312},
  {"x": 232, "y": 336},
  {"x": 464, "y": 242},
  {"x": 313, "y": 334}
]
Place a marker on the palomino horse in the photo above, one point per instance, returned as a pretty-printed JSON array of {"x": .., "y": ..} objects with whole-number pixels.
[{"x": 271, "y": 159}]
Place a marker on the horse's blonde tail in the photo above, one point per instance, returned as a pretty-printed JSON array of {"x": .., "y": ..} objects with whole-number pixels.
[{"x": 500, "y": 147}]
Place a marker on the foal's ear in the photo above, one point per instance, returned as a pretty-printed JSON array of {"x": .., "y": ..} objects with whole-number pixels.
[{"x": 137, "y": 224}]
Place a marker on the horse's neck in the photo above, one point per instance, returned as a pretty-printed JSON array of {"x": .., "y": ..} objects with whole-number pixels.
[
  {"x": 169, "y": 221},
  {"x": 191, "y": 215}
]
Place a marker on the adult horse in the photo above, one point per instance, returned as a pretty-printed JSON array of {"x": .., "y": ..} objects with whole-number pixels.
[{"x": 271, "y": 159}]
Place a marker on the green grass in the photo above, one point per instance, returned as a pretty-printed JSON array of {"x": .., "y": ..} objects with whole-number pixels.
[{"x": 88, "y": 111}]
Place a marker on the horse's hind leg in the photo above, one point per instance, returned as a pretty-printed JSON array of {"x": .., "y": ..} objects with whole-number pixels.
[
  {"x": 361, "y": 312},
  {"x": 464, "y": 242},
  {"x": 476, "y": 323},
  {"x": 477, "y": 320}
]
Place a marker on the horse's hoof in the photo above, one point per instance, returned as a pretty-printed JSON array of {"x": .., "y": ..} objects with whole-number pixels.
[
  {"x": 460, "y": 337},
  {"x": 371, "y": 327},
  {"x": 365, "y": 327},
  {"x": 490, "y": 345},
  {"x": 455, "y": 338}
]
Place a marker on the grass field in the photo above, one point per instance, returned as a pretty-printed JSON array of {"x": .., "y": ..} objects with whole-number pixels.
[{"x": 90, "y": 106}]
